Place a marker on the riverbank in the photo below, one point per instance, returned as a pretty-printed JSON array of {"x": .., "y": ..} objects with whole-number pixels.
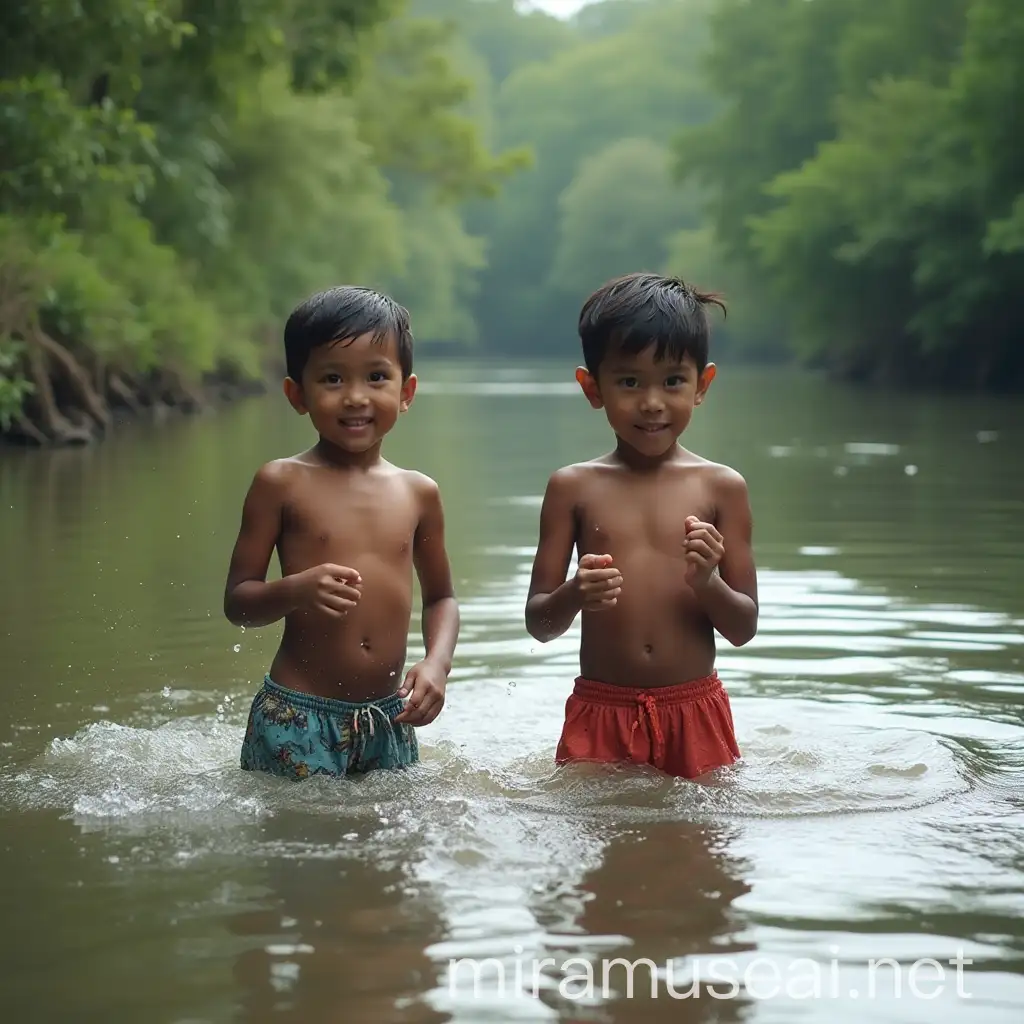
[{"x": 69, "y": 405}]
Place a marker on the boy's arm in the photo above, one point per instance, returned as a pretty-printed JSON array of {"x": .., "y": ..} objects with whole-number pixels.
[
  {"x": 554, "y": 602},
  {"x": 248, "y": 599},
  {"x": 729, "y": 597},
  {"x": 425, "y": 682}
]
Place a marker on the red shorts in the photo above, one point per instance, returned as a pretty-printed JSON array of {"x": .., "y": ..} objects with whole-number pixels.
[{"x": 684, "y": 730}]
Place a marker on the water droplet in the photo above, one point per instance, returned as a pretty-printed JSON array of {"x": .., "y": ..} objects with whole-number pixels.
[
  {"x": 220, "y": 709},
  {"x": 910, "y": 470},
  {"x": 166, "y": 691},
  {"x": 114, "y": 860},
  {"x": 512, "y": 682},
  {"x": 384, "y": 821},
  {"x": 243, "y": 629},
  {"x": 237, "y": 648}
]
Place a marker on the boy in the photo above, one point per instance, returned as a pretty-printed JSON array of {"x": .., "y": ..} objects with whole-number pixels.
[
  {"x": 348, "y": 528},
  {"x": 663, "y": 538}
]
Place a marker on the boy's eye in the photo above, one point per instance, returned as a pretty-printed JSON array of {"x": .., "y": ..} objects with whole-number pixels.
[
  {"x": 376, "y": 376},
  {"x": 331, "y": 378},
  {"x": 675, "y": 381},
  {"x": 627, "y": 382}
]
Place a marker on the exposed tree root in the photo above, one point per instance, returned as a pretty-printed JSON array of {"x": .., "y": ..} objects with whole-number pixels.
[
  {"x": 70, "y": 404},
  {"x": 77, "y": 377}
]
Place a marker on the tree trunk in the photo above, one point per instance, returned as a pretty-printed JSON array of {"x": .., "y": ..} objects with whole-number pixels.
[{"x": 77, "y": 376}]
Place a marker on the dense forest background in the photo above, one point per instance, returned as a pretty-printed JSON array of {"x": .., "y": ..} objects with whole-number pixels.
[{"x": 176, "y": 174}]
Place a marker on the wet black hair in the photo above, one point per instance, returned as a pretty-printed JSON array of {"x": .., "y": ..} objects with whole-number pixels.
[
  {"x": 636, "y": 310},
  {"x": 345, "y": 313}
]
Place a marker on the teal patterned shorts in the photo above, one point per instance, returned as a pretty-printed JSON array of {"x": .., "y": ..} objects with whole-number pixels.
[{"x": 297, "y": 735}]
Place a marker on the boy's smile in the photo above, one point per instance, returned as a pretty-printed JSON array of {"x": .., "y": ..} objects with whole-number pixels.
[{"x": 353, "y": 392}]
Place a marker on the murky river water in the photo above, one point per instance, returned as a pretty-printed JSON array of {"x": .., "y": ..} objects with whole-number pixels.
[{"x": 878, "y": 811}]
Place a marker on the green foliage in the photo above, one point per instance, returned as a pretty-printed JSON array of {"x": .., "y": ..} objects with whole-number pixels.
[
  {"x": 866, "y": 170},
  {"x": 14, "y": 389},
  {"x": 639, "y": 81},
  {"x": 753, "y": 328},
  {"x": 178, "y": 173},
  {"x": 506, "y": 37},
  {"x": 57, "y": 155},
  {"x": 617, "y": 215}
]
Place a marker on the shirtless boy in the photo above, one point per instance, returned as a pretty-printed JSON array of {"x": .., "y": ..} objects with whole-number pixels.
[
  {"x": 663, "y": 539},
  {"x": 349, "y": 528}
]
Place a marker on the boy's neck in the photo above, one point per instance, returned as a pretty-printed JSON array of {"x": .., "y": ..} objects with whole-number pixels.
[
  {"x": 627, "y": 454},
  {"x": 335, "y": 456}
]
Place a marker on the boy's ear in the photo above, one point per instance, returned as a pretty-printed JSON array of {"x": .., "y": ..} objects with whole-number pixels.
[
  {"x": 586, "y": 381},
  {"x": 710, "y": 371},
  {"x": 293, "y": 392},
  {"x": 408, "y": 391}
]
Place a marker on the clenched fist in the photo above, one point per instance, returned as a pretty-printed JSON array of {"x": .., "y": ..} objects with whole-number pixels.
[
  {"x": 328, "y": 588},
  {"x": 599, "y": 583}
]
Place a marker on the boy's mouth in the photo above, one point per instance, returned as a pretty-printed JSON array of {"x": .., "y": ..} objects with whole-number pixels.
[
  {"x": 652, "y": 428},
  {"x": 356, "y": 422}
]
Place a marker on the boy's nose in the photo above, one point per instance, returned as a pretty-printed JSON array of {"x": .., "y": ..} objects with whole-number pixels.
[{"x": 651, "y": 400}]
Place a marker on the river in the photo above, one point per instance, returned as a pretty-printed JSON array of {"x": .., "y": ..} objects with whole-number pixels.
[{"x": 878, "y": 811}]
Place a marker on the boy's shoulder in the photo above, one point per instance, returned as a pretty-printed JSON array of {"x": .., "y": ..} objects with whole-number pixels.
[
  {"x": 417, "y": 481},
  {"x": 717, "y": 473},
  {"x": 279, "y": 472},
  {"x": 567, "y": 478}
]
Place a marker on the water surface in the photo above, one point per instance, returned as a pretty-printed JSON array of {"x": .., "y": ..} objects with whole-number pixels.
[{"x": 878, "y": 811}]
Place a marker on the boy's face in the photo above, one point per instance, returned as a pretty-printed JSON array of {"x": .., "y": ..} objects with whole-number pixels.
[
  {"x": 353, "y": 391},
  {"x": 648, "y": 403}
]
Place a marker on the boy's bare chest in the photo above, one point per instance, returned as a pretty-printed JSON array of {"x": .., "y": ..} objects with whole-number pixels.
[
  {"x": 619, "y": 519},
  {"x": 382, "y": 520}
]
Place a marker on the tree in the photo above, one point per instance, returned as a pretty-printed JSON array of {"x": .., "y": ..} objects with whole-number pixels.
[
  {"x": 617, "y": 215},
  {"x": 175, "y": 174},
  {"x": 867, "y": 172}
]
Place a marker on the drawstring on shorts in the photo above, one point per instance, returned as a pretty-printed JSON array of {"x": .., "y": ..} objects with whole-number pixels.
[
  {"x": 647, "y": 704},
  {"x": 365, "y": 713}
]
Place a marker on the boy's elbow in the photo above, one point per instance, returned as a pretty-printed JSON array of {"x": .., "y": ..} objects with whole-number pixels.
[
  {"x": 233, "y": 613},
  {"x": 542, "y": 636},
  {"x": 745, "y": 632},
  {"x": 536, "y": 626},
  {"x": 234, "y": 609},
  {"x": 742, "y": 639}
]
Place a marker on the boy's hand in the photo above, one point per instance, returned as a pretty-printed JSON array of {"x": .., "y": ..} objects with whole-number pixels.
[
  {"x": 424, "y": 685},
  {"x": 328, "y": 588},
  {"x": 599, "y": 583},
  {"x": 704, "y": 550}
]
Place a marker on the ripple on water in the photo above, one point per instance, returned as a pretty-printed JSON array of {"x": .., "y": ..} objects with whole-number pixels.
[{"x": 184, "y": 772}]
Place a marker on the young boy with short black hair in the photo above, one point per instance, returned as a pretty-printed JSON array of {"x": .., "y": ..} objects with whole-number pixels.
[
  {"x": 349, "y": 529},
  {"x": 663, "y": 538}
]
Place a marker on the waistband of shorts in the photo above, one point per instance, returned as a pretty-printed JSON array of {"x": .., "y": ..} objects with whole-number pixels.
[
  {"x": 621, "y": 696},
  {"x": 390, "y": 705}
]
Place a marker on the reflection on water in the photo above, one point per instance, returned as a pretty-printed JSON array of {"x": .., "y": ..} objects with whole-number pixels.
[{"x": 877, "y": 811}]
